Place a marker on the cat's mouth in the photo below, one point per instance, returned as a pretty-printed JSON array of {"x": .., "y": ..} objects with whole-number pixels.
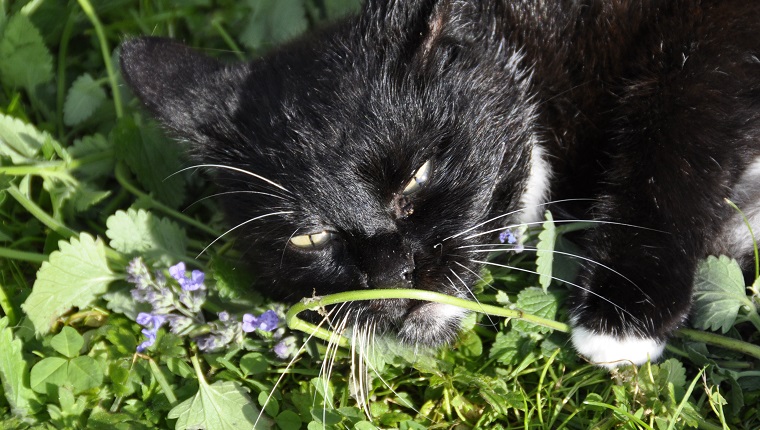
[{"x": 414, "y": 322}]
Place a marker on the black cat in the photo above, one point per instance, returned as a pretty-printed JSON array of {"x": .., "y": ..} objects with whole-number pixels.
[{"x": 377, "y": 152}]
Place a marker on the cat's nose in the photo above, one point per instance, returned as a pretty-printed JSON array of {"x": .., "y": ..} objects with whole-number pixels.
[{"x": 387, "y": 261}]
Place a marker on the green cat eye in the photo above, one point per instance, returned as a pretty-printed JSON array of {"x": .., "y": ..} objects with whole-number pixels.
[
  {"x": 313, "y": 240},
  {"x": 420, "y": 177}
]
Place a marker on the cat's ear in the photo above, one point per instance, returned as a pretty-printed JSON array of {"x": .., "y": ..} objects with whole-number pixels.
[
  {"x": 420, "y": 28},
  {"x": 172, "y": 80}
]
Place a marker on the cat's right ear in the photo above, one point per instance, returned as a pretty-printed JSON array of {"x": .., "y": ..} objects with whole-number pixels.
[{"x": 171, "y": 79}]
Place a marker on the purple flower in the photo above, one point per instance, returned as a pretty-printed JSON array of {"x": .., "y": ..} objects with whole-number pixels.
[
  {"x": 508, "y": 237},
  {"x": 151, "y": 339},
  {"x": 285, "y": 348},
  {"x": 191, "y": 283},
  {"x": 267, "y": 322},
  {"x": 224, "y": 316},
  {"x": 151, "y": 323}
]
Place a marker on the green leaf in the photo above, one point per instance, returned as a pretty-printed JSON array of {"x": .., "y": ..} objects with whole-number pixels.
[
  {"x": 26, "y": 60},
  {"x": 273, "y": 22},
  {"x": 536, "y": 302},
  {"x": 83, "y": 98},
  {"x": 68, "y": 342},
  {"x": 253, "y": 363},
  {"x": 19, "y": 141},
  {"x": 99, "y": 154},
  {"x": 50, "y": 370},
  {"x": 219, "y": 406},
  {"x": 138, "y": 232},
  {"x": 84, "y": 373},
  {"x": 152, "y": 158},
  {"x": 719, "y": 293},
  {"x": 289, "y": 420},
  {"x": 544, "y": 254},
  {"x": 13, "y": 373},
  {"x": 75, "y": 275}
]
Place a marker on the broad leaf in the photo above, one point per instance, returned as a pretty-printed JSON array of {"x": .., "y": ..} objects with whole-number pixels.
[
  {"x": 545, "y": 254},
  {"x": 152, "y": 157},
  {"x": 719, "y": 293},
  {"x": 13, "y": 373},
  {"x": 223, "y": 405},
  {"x": 84, "y": 373},
  {"x": 68, "y": 342},
  {"x": 83, "y": 98},
  {"x": 19, "y": 141},
  {"x": 535, "y": 302},
  {"x": 140, "y": 232},
  {"x": 75, "y": 275},
  {"x": 50, "y": 370},
  {"x": 26, "y": 60}
]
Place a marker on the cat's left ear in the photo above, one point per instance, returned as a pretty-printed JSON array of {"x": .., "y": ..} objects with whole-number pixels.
[{"x": 176, "y": 83}]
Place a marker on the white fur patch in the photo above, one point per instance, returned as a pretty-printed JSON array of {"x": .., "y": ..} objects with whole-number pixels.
[
  {"x": 735, "y": 239},
  {"x": 443, "y": 312},
  {"x": 537, "y": 188},
  {"x": 610, "y": 352}
]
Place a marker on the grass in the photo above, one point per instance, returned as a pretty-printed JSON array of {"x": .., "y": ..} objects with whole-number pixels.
[{"x": 79, "y": 202}]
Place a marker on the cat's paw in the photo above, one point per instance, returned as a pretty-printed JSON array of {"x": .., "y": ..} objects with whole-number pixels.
[{"x": 611, "y": 351}]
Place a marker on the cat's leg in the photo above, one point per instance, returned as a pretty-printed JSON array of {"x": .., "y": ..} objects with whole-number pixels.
[{"x": 676, "y": 154}]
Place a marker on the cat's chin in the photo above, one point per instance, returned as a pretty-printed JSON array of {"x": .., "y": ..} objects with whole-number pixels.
[
  {"x": 611, "y": 351},
  {"x": 431, "y": 325}
]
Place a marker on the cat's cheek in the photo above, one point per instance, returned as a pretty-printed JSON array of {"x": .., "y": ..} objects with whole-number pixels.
[{"x": 611, "y": 351}]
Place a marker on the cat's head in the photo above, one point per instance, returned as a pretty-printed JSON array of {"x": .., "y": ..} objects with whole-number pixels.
[{"x": 363, "y": 156}]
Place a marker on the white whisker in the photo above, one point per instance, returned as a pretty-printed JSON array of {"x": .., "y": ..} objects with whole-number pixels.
[
  {"x": 232, "y": 192},
  {"x": 289, "y": 365},
  {"x": 510, "y": 213},
  {"x": 240, "y": 225},
  {"x": 561, "y": 280},
  {"x": 580, "y": 257},
  {"x": 562, "y": 221},
  {"x": 236, "y": 169},
  {"x": 469, "y": 291}
]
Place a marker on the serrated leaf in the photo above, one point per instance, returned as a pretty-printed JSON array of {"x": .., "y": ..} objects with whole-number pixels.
[
  {"x": 84, "y": 96},
  {"x": 138, "y": 232},
  {"x": 19, "y": 141},
  {"x": 152, "y": 158},
  {"x": 84, "y": 373},
  {"x": 273, "y": 21},
  {"x": 50, "y": 370},
  {"x": 535, "y": 302},
  {"x": 101, "y": 157},
  {"x": 719, "y": 293},
  {"x": 13, "y": 373},
  {"x": 68, "y": 342},
  {"x": 26, "y": 60},
  {"x": 75, "y": 275},
  {"x": 544, "y": 253},
  {"x": 223, "y": 405}
]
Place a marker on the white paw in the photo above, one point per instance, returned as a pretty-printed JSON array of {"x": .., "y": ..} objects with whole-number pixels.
[{"x": 609, "y": 351}]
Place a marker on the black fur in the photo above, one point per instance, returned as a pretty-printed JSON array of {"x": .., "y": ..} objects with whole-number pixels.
[{"x": 650, "y": 109}]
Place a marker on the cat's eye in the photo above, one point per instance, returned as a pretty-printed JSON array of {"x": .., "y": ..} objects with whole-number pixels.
[
  {"x": 420, "y": 177},
  {"x": 314, "y": 240}
]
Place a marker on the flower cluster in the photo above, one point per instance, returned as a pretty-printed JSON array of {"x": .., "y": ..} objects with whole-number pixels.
[
  {"x": 179, "y": 304},
  {"x": 508, "y": 237}
]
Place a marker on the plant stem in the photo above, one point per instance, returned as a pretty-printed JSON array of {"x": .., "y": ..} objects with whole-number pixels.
[
  {"x": 22, "y": 255},
  {"x": 40, "y": 214},
  {"x": 122, "y": 179},
  {"x": 718, "y": 340},
  {"x": 296, "y": 323},
  {"x": 106, "y": 52},
  {"x": 7, "y": 307}
]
